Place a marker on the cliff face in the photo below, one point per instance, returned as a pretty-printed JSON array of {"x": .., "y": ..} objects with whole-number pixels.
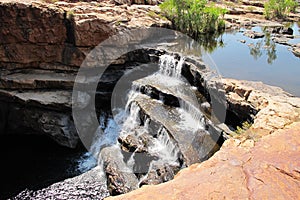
[{"x": 42, "y": 45}]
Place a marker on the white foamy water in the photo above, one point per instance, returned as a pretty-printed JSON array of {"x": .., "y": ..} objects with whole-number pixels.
[
  {"x": 194, "y": 112},
  {"x": 105, "y": 138},
  {"x": 128, "y": 122},
  {"x": 86, "y": 162},
  {"x": 170, "y": 66},
  {"x": 170, "y": 75},
  {"x": 133, "y": 119},
  {"x": 188, "y": 122},
  {"x": 164, "y": 148}
]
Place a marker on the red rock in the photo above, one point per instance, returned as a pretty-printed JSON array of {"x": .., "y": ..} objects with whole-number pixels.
[{"x": 267, "y": 169}]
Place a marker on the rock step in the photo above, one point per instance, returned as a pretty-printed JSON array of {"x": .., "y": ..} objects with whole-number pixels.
[
  {"x": 29, "y": 79},
  {"x": 36, "y": 79},
  {"x": 174, "y": 92},
  {"x": 194, "y": 144},
  {"x": 47, "y": 113},
  {"x": 56, "y": 100}
]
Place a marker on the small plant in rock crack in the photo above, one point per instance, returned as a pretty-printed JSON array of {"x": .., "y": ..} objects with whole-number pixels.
[{"x": 241, "y": 129}]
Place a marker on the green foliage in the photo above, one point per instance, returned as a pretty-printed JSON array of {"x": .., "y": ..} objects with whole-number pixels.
[
  {"x": 194, "y": 17},
  {"x": 155, "y": 15},
  {"x": 279, "y": 8},
  {"x": 241, "y": 129},
  {"x": 70, "y": 14}
]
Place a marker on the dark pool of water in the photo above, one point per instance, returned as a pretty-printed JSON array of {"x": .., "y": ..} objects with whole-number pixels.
[
  {"x": 34, "y": 162},
  {"x": 258, "y": 60}
]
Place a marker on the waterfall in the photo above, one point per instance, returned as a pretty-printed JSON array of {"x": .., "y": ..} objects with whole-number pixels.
[
  {"x": 169, "y": 66},
  {"x": 165, "y": 148},
  {"x": 192, "y": 117},
  {"x": 134, "y": 142}
]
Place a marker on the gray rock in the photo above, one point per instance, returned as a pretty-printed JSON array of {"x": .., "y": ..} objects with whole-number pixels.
[
  {"x": 254, "y": 34},
  {"x": 120, "y": 178},
  {"x": 281, "y": 40},
  {"x": 282, "y": 30},
  {"x": 90, "y": 185},
  {"x": 190, "y": 144},
  {"x": 45, "y": 113},
  {"x": 296, "y": 51},
  {"x": 286, "y": 31},
  {"x": 159, "y": 173}
]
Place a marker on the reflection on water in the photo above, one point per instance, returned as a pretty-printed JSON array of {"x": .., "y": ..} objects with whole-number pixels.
[
  {"x": 262, "y": 59},
  {"x": 197, "y": 47},
  {"x": 210, "y": 42},
  {"x": 234, "y": 55},
  {"x": 267, "y": 45}
]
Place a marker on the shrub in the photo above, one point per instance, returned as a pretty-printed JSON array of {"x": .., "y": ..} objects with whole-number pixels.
[
  {"x": 279, "y": 8},
  {"x": 194, "y": 17}
]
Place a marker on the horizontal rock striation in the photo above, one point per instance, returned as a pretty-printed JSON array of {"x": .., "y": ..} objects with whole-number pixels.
[{"x": 42, "y": 46}]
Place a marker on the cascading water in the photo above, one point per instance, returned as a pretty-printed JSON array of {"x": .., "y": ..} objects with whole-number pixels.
[
  {"x": 169, "y": 66},
  {"x": 139, "y": 145},
  {"x": 191, "y": 114}
]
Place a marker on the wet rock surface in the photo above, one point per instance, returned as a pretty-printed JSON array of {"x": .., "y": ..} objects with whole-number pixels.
[
  {"x": 120, "y": 179},
  {"x": 194, "y": 146},
  {"x": 90, "y": 185},
  {"x": 296, "y": 51}
]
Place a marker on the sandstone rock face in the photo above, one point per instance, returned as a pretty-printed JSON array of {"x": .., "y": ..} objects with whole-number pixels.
[
  {"x": 61, "y": 33},
  {"x": 42, "y": 46},
  {"x": 242, "y": 169},
  {"x": 275, "y": 108}
]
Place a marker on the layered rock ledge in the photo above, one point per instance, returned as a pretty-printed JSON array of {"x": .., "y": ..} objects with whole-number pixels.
[{"x": 42, "y": 46}]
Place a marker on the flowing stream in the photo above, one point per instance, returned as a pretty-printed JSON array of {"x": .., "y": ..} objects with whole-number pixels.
[{"x": 147, "y": 148}]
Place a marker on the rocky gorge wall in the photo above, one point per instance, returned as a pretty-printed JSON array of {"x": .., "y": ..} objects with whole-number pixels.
[{"x": 42, "y": 47}]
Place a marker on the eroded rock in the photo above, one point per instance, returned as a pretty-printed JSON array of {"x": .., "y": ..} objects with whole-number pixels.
[
  {"x": 159, "y": 173},
  {"x": 269, "y": 166},
  {"x": 120, "y": 178}
]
